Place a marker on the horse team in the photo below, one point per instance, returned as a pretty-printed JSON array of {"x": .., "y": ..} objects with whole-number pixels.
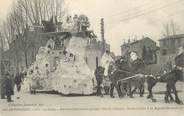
[{"x": 128, "y": 76}]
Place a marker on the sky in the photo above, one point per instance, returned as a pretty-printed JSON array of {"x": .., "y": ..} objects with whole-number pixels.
[{"x": 124, "y": 19}]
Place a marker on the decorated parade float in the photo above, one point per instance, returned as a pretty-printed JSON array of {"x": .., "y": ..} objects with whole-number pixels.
[{"x": 60, "y": 65}]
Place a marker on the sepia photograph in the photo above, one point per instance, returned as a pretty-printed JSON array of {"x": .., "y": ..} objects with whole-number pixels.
[{"x": 91, "y": 57}]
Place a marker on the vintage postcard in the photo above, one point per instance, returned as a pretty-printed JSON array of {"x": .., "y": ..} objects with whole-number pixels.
[{"x": 91, "y": 57}]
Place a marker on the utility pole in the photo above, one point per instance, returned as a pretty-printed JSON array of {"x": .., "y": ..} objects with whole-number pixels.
[
  {"x": 1, "y": 51},
  {"x": 102, "y": 35}
]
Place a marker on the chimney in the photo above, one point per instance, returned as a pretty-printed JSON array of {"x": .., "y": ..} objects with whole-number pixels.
[{"x": 129, "y": 41}]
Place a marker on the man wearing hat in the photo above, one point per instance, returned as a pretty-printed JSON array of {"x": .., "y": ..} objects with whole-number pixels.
[
  {"x": 99, "y": 74},
  {"x": 8, "y": 87},
  {"x": 2, "y": 88}
]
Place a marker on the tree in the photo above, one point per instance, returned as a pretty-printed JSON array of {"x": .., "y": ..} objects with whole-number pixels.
[
  {"x": 30, "y": 12},
  {"x": 170, "y": 28},
  {"x": 26, "y": 13},
  {"x": 37, "y": 10}
]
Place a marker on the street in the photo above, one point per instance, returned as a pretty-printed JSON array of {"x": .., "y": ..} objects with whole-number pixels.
[
  {"x": 57, "y": 105},
  {"x": 43, "y": 100}
]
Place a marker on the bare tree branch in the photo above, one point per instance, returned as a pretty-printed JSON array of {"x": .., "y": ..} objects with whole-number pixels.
[{"x": 170, "y": 28}]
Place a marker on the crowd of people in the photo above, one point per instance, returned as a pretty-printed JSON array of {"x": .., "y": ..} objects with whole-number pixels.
[{"x": 76, "y": 23}]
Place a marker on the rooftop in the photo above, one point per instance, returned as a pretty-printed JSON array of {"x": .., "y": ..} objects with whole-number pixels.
[
  {"x": 138, "y": 41},
  {"x": 178, "y": 36}
]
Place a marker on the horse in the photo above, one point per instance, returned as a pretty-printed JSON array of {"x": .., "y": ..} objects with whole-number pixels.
[
  {"x": 115, "y": 75},
  {"x": 121, "y": 70},
  {"x": 170, "y": 79},
  {"x": 137, "y": 82},
  {"x": 137, "y": 68}
]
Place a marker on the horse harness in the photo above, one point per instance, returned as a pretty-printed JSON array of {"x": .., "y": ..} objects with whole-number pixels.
[{"x": 128, "y": 72}]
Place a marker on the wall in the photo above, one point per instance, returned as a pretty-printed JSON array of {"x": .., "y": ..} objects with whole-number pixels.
[
  {"x": 94, "y": 50},
  {"x": 171, "y": 45},
  {"x": 138, "y": 46},
  {"x": 91, "y": 55}
]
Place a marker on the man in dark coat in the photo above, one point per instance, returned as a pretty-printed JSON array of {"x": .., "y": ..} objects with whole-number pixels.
[
  {"x": 99, "y": 74},
  {"x": 8, "y": 87},
  {"x": 18, "y": 81},
  {"x": 2, "y": 88}
]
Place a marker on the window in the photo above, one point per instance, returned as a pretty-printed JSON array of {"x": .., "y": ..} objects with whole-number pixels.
[
  {"x": 164, "y": 43},
  {"x": 86, "y": 60},
  {"x": 179, "y": 42},
  {"x": 164, "y": 52}
]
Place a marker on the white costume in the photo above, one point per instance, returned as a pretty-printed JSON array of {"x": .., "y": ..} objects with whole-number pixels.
[
  {"x": 133, "y": 56},
  {"x": 50, "y": 43},
  {"x": 180, "y": 50},
  {"x": 105, "y": 62}
]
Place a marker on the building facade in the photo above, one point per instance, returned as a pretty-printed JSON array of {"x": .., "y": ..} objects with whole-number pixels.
[
  {"x": 169, "y": 47},
  {"x": 145, "y": 48},
  {"x": 170, "y": 44}
]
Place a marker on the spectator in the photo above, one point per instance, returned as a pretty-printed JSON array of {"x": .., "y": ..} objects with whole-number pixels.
[
  {"x": 33, "y": 83},
  {"x": 99, "y": 74},
  {"x": 8, "y": 87},
  {"x": 18, "y": 81},
  {"x": 3, "y": 88}
]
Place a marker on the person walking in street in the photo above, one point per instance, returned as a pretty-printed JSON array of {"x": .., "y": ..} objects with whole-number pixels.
[
  {"x": 18, "y": 81},
  {"x": 8, "y": 87},
  {"x": 99, "y": 74},
  {"x": 2, "y": 87},
  {"x": 105, "y": 62},
  {"x": 33, "y": 82}
]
